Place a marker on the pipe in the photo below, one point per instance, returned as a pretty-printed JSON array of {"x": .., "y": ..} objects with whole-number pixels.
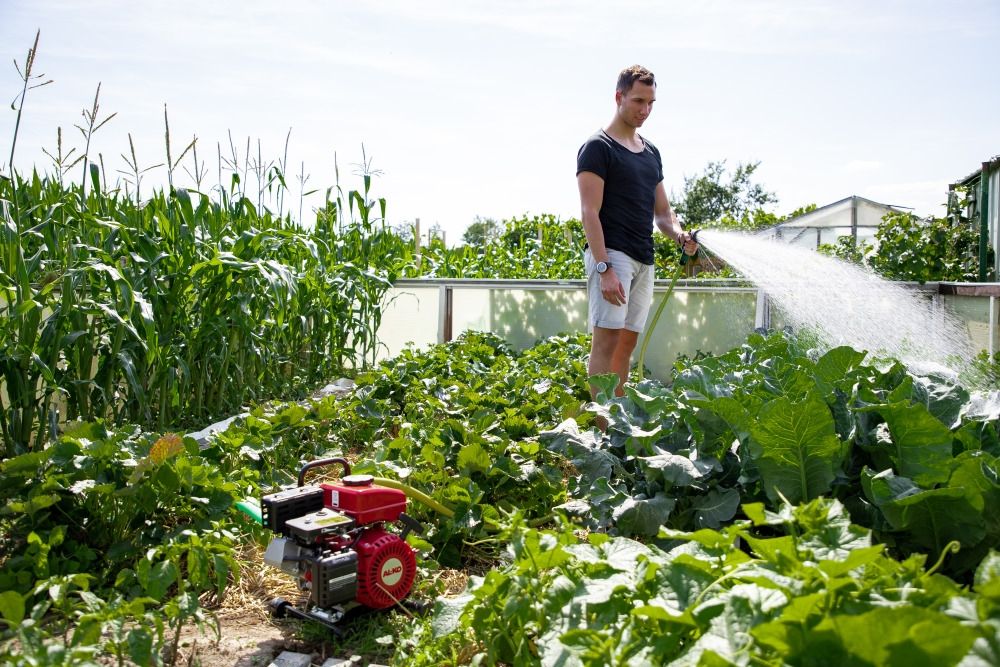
[
  {"x": 422, "y": 497},
  {"x": 416, "y": 495},
  {"x": 251, "y": 508},
  {"x": 983, "y": 204},
  {"x": 656, "y": 317}
]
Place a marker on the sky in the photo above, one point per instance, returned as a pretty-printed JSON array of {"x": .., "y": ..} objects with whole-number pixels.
[{"x": 466, "y": 109}]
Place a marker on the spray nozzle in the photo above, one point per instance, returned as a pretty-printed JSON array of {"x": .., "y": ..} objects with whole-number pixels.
[{"x": 684, "y": 256}]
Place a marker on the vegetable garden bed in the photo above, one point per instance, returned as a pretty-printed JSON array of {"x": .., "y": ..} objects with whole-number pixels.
[{"x": 774, "y": 505}]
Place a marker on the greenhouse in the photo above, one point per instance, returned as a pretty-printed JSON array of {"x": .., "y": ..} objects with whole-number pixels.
[{"x": 854, "y": 216}]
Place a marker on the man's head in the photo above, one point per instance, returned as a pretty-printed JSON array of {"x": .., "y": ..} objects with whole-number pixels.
[
  {"x": 634, "y": 96},
  {"x": 630, "y": 75}
]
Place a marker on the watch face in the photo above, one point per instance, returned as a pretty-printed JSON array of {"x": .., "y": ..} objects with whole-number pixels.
[{"x": 602, "y": 267}]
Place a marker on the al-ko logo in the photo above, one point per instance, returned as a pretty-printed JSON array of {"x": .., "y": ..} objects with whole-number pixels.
[{"x": 392, "y": 572}]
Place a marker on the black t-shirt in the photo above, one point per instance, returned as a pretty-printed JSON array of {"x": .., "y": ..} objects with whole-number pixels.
[{"x": 630, "y": 181}]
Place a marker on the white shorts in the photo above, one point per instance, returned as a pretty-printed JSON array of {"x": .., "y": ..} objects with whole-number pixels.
[{"x": 636, "y": 277}]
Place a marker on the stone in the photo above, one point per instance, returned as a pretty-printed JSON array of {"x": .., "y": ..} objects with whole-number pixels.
[{"x": 290, "y": 659}]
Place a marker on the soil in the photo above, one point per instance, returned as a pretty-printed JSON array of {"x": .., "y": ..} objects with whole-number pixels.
[
  {"x": 247, "y": 640},
  {"x": 248, "y": 637}
]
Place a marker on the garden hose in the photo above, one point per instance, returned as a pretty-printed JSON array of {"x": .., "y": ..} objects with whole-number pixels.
[
  {"x": 670, "y": 289},
  {"x": 413, "y": 494},
  {"x": 251, "y": 506}
]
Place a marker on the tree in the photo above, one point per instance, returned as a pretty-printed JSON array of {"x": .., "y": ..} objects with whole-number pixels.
[
  {"x": 708, "y": 201},
  {"x": 481, "y": 231}
]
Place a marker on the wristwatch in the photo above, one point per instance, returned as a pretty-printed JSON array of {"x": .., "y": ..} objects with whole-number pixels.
[{"x": 602, "y": 267}]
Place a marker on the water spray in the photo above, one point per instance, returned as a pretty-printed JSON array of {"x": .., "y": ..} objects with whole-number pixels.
[
  {"x": 841, "y": 303},
  {"x": 659, "y": 310}
]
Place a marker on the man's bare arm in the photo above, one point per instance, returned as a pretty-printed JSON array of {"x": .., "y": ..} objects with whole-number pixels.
[
  {"x": 591, "y": 197},
  {"x": 664, "y": 216},
  {"x": 666, "y": 221}
]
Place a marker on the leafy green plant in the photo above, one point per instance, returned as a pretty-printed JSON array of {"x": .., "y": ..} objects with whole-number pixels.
[
  {"x": 935, "y": 249},
  {"x": 72, "y": 625},
  {"x": 770, "y": 422},
  {"x": 86, "y": 510},
  {"x": 110, "y": 540},
  {"x": 186, "y": 565},
  {"x": 809, "y": 587},
  {"x": 460, "y": 422},
  {"x": 848, "y": 249}
]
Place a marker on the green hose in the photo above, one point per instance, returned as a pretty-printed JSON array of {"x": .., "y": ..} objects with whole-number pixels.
[
  {"x": 416, "y": 495},
  {"x": 251, "y": 507},
  {"x": 422, "y": 497},
  {"x": 649, "y": 330}
]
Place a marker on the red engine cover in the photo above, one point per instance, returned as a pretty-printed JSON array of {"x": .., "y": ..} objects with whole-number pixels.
[
  {"x": 368, "y": 503},
  {"x": 386, "y": 568}
]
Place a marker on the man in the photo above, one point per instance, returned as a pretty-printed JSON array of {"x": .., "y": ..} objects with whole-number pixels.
[{"x": 620, "y": 176}]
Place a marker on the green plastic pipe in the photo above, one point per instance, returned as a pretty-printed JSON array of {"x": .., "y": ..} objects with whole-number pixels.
[
  {"x": 251, "y": 507},
  {"x": 649, "y": 330},
  {"x": 419, "y": 496}
]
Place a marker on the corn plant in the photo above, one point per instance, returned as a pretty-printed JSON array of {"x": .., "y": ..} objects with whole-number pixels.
[{"x": 180, "y": 308}]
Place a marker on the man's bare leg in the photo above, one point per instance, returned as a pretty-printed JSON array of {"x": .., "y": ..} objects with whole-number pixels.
[
  {"x": 611, "y": 352},
  {"x": 603, "y": 345},
  {"x": 622, "y": 360}
]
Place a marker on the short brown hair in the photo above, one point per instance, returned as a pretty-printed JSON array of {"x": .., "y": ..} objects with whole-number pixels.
[{"x": 630, "y": 75}]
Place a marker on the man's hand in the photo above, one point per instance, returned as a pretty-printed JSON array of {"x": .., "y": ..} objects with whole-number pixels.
[
  {"x": 611, "y": 288},
  {"x": 688, "y": 244}
]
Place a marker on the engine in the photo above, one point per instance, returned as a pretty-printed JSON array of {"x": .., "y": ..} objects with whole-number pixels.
[{"x": 334, "y": 542}]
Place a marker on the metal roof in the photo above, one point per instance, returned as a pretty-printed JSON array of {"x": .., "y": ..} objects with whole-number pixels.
[{"x": 848, "y": 212}]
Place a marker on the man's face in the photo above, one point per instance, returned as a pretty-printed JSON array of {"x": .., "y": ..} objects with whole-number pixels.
[{"x": 635, "y": 106}]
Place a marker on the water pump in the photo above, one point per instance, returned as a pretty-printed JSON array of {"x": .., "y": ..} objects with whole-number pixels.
[{"x": 333, "y": 540}]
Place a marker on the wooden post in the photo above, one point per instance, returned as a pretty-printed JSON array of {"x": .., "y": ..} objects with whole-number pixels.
[{"x": 416, "y": 239}]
